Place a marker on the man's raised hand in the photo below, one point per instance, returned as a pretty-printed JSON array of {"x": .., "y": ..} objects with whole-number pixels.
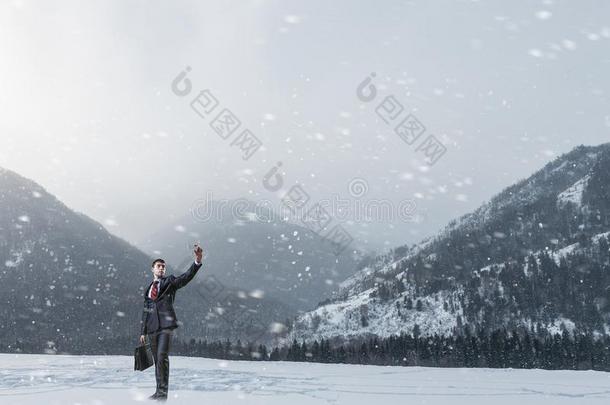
[{"x": 198, "y": 253}]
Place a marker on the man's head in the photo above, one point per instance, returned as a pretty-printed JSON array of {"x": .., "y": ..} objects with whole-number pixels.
[{"x": 158, "y": 268}]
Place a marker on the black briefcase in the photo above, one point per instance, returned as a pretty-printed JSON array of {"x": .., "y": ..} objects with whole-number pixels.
[{"x": 143, "y": 357}]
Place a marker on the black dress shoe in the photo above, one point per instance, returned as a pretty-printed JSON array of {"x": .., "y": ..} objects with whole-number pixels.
[
  {"x": 161, "y": 397},
  {"x": 154, "y": 396}
]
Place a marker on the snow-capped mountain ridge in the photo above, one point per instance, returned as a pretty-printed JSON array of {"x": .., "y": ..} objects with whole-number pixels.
[
  {"x": 534, "y": 219},
  {"x": 520, "y": 193}
]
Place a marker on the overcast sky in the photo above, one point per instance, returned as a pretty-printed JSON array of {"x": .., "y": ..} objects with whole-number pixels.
[{"x": 88, "y": 112}]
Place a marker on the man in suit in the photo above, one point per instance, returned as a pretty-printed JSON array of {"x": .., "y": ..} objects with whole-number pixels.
[{"x": 159, "y": 318}]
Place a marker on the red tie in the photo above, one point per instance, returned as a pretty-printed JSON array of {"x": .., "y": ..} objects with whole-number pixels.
[{"x": 153, "y": 293}]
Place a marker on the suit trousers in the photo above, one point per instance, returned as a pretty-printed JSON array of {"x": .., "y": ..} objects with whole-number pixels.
[{"x": 160, "y": 344}]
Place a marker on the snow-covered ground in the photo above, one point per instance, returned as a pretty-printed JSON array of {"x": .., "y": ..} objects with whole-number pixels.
[
  {"x": 49, "y": 379},
  {"x": 574, "y": 193}
]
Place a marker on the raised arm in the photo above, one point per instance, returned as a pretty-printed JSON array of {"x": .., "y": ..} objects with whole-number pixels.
[{"x": 186, "y": 277}]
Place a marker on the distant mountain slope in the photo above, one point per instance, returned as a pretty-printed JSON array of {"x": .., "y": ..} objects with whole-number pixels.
[
  {"x": 256, "y": 251},
  {"x": 69, "y": 283},
  {"x": 536, "y": 255},
  {"x": 64, "y": 277}
]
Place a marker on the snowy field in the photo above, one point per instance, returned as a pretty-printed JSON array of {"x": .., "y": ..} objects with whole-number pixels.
[{"x": 48, "y": 379}]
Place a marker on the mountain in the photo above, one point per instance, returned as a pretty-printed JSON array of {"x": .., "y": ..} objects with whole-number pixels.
[
  {"x": 535, "y": 256},
  {"x": 66, "y": 280},
  {"x": 72, "y": 286},
  {"x": 251, "y": 248}
]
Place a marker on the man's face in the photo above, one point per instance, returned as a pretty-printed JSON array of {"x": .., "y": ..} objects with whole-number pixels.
[{"x": 159, "y": 269}]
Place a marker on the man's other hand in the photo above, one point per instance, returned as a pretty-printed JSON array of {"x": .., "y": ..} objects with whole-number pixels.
[{"x": 142, "y": 339}]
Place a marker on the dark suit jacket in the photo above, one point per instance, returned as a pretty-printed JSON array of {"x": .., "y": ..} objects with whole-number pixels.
[{"x": 159, "y": 313}]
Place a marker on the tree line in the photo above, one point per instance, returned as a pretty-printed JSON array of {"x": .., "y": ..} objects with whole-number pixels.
[{"x": 499, "y": 349}]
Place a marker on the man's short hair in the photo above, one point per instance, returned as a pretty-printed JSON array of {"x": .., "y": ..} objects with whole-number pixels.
[{"x": 157, "y": 261}]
